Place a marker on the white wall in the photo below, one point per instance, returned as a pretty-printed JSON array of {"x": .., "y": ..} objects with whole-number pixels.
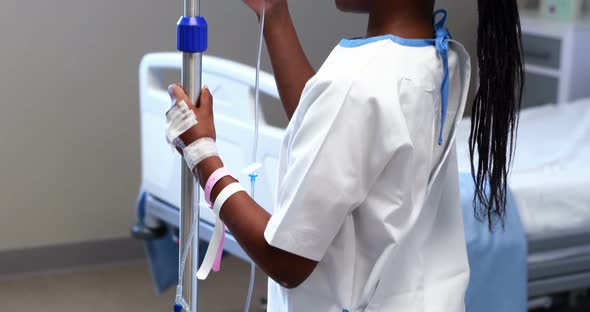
[
  {"x": 68, "y": 115},
  {"x": 69, "y": 139}
]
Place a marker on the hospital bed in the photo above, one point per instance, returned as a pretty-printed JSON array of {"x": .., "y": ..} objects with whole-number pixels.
[{"x": 550, "y": 181}]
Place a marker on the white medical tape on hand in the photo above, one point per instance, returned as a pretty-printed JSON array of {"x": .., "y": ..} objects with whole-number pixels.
[
  {"x": 198, "y": 151},
  {"x": 179, "y": 119},
  {"x": 210, "y": 255}
]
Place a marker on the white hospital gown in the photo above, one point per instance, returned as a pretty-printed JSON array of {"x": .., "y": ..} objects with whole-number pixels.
[{"x": 355, "y": 171}]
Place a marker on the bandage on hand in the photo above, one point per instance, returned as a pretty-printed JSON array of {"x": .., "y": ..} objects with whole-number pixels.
[
  {"x": 198, "y": 151},
  {"x": 203, "y": 112},
  {"x": 179, "y": 119}
]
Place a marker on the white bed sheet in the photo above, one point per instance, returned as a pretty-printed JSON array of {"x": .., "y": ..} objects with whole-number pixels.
[{"x": 550, "y": 178}]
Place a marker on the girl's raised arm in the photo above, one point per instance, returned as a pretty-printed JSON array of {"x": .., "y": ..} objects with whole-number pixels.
[{"x": 291, "y": 67}]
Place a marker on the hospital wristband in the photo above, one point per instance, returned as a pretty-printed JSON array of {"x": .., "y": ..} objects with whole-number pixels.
[
  {"x": 215, "y": 177},
  {"x": 227, "y": 192},
  {"x": 212, "y": 259},
  {"x": 198, "y": 151}
]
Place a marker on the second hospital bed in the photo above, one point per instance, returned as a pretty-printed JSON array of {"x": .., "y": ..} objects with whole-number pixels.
[{"x": 550, "y": 180}]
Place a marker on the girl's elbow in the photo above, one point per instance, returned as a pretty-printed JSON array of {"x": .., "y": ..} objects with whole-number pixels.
[
  {"x": 291, "y": 282},
  {"x": 292, "y": 279},
  {"x": 292, "y": 270}
]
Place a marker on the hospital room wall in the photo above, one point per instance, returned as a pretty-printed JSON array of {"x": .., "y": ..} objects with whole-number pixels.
[{"x": 69, "y": 124}]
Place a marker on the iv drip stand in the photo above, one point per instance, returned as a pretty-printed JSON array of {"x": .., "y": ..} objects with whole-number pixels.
[{"x": 192, "y": 41}]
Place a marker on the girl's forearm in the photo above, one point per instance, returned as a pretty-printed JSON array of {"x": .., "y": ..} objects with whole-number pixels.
[
  {"x": 247, "y": 222},
  {"x": 291, "y": 67}
]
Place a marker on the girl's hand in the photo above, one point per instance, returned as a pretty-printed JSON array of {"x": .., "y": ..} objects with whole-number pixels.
[
  {"x": 205, "y": 127},
  {"x": 270, "y": 6}
]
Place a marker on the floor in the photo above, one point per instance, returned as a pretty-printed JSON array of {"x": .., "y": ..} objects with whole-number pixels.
[
  {"x": 128, "y": 288},
  {"x": 125, "y": 288},
  {"x": 581, "y": 303}
]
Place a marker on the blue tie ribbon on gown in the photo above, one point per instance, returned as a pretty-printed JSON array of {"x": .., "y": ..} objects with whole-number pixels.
[{"x": 442, "y": 46}]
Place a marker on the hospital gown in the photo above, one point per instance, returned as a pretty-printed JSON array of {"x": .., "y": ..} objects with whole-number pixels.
[{"x": 365, "y": 188}]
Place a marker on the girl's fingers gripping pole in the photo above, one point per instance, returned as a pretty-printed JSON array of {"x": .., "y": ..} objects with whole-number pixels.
[
  {"x": 205, "y": 104},
  {"x": 178, "y": 95}
]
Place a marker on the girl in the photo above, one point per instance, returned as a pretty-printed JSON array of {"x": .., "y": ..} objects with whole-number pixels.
[{"x": 367, "y": 216}]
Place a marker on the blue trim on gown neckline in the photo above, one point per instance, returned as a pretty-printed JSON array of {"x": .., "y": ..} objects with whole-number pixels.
[
  {"x": 441, "y": 42},
  {"x": 357, "y": 42}
]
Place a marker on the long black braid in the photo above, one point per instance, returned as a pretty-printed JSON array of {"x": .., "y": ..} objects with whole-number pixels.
[{"x": 496, "y": 107}]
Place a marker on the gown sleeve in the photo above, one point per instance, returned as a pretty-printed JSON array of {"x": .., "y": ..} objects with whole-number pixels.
[{"x": 346, "y": 136}]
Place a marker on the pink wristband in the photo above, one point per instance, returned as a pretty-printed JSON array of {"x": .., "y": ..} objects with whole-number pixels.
[
  {"x": 213, "y": 179},
  {"x": 217, "y": 264}
]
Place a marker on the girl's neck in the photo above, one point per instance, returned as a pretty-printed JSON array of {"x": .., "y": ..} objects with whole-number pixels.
[{"x": 410, "y": 19}]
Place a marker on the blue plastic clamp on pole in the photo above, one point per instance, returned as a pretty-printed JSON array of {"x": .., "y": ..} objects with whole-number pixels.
[
  {"x": 191, "y": 34},
  {"x": 177, "y": 308}
]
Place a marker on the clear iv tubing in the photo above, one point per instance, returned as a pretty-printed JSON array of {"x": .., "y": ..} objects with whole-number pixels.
[
  {"x": 253, "y": 176},
  {"x": 252, "y": 264},
  {"x": 257, "y": 82},
  {"x": 179, "y": 298},
  {"x": 255, "y": 146}
]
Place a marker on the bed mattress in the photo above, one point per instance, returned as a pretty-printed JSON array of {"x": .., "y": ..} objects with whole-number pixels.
[{"x": 550, "y": 177}]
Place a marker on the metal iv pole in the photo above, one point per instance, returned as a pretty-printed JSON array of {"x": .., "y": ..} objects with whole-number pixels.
[{"x": 192, "y": 41}]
